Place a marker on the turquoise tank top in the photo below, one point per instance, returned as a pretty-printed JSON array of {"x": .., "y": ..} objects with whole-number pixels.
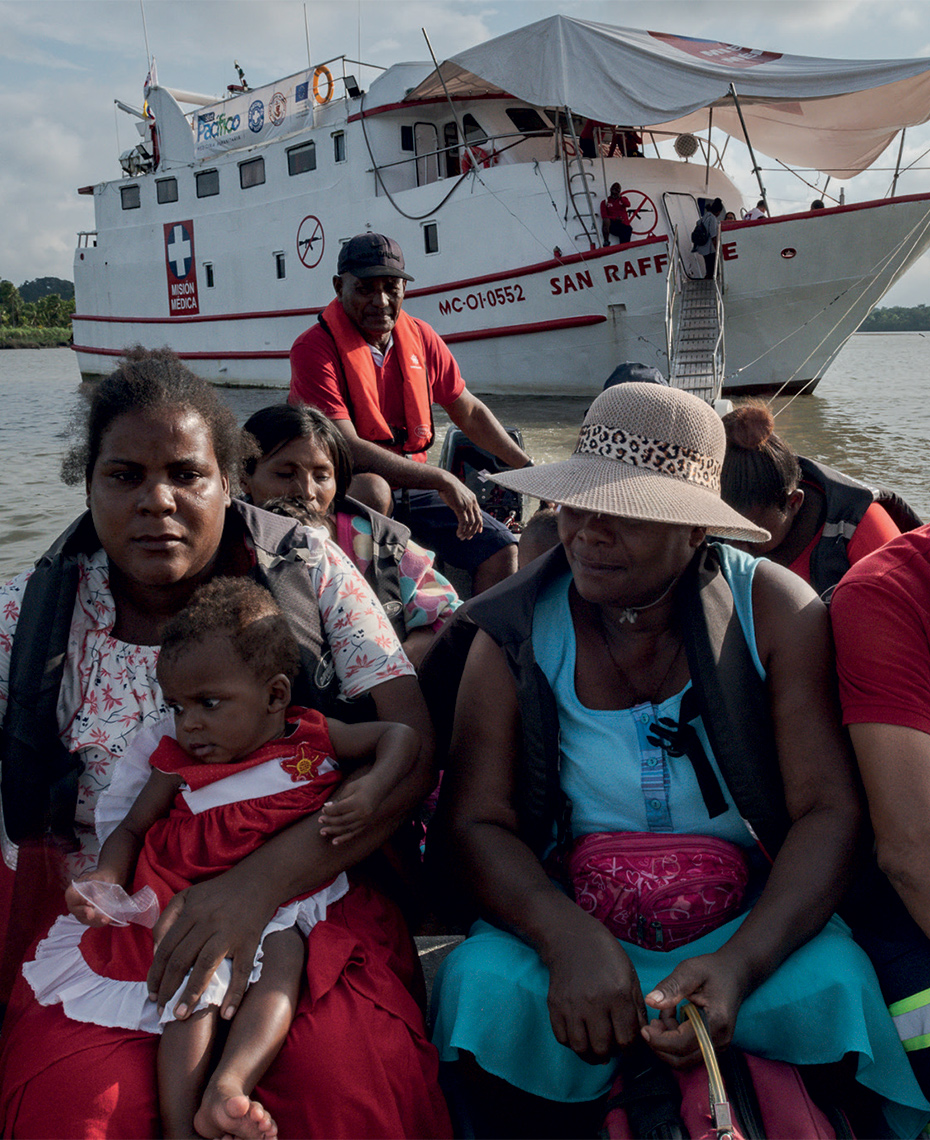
[{"x": 615, "y": 778}]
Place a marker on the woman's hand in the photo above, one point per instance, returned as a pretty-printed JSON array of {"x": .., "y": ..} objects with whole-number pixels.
[
  {"x": 717, "y": 985},
  {"x": 200, "y": 927},
  {"x": 595, "y": 1001}
]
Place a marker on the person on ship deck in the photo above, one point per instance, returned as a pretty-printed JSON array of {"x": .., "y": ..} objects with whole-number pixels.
[
  {"x": 158, "y": 455},
  {"x": 376, "y": 372}
]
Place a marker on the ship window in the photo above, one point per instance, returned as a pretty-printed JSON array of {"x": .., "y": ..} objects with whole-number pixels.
[
  {"x": 301, "y": 158},
  {"x": 208, "y": 269},
  {"x": 339, "y": 146},
  {"x": 472, "y": 131},
  {"x": 406, "y": 138},
  {"x": 252, "y": 173},
  {"x": 279, "y": 269},
  {"x": 527, "y": 120},
  {"x": 450, "y": 140},
  {"x": 431, "y": 238},
  {"x": 129, "y": 197},
  {"x": 208, "y": 183},
  {"x": 167, "y": 190}
]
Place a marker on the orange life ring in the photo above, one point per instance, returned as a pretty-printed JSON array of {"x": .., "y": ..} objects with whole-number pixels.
[
  {"x": 481, "y": 156},
  {"x": 330, "y": 85}
]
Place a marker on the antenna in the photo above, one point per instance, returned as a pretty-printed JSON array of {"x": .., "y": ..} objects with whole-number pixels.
[
  {"x": 307, "y": 34},
  {"x": 145, "y": 33}
]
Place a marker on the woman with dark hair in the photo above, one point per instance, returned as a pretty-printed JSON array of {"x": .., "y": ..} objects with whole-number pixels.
[
  {"x": 632, "y": 701},
  {"x": 820, "y": 521},
  {"x": 301, "y": 455},
  {"x": 711, "y": 218},
  {"x": 81, "y": 704}
]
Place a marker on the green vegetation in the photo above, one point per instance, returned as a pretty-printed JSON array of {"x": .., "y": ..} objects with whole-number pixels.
[
  {"x": 897, "y": 319},
  {"x": 36, "y": 316},
  {"x": 35, "y": 338}
]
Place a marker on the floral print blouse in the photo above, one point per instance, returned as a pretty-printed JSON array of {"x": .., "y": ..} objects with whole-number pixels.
[{"x": 109, "y": 690}]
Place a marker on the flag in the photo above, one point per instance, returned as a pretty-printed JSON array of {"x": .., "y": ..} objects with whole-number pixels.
[{"x": 151, "y": 80}]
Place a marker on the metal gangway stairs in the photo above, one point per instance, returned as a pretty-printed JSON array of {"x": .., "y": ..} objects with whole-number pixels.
[{"x": 694, "y": 331}]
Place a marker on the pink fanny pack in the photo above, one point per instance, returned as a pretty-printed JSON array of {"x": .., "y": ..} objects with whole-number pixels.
[{"x": 659, "y": 891}]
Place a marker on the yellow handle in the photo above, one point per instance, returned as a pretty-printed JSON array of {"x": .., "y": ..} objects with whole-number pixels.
[{"x": 720, "y": 1107}]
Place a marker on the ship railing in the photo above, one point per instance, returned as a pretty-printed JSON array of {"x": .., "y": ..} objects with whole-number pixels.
[
  {"x": 430, "y": 161},
  {"x": 673, "y": 279},
  {"x": 720, "y": 346},
  {"x": 87, "y": 239}
]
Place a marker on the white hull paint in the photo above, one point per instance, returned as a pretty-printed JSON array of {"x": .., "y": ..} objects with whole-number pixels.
[{"x": 520, "y": 319}]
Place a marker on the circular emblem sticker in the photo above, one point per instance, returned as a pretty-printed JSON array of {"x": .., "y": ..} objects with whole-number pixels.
[
  {"x": 256, "y": 116},
  {"x": 277, "y": 108},
  {"x": 310, "y": 241},
  {"x": 642, "y": 212}
]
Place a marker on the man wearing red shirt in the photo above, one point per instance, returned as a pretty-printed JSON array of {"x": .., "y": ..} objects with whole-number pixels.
[
  {"x": 615, "y": 221},
  {"x": 376, "y": 372}
]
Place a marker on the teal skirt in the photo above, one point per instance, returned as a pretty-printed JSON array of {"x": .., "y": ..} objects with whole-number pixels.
[{"x": 823, "y": 1002}]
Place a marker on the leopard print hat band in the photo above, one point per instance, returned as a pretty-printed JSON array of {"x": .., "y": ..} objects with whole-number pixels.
[
  {"x": 666, "y": 458},
  {"x": 644, "y": 452}
]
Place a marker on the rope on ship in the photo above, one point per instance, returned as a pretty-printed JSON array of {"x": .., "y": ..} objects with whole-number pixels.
[{"x": 913, "y": 236}]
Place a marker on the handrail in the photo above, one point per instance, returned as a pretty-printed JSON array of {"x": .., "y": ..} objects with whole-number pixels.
[
  {"x": 719, "y": 346},
  {"x": 676, "y": 267}
]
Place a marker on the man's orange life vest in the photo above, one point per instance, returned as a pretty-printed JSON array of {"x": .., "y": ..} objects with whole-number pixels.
[{"x": 361, "y": 380}]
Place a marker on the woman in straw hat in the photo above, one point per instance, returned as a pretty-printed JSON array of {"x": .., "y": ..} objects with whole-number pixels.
[{"x": 636, "y": 686}]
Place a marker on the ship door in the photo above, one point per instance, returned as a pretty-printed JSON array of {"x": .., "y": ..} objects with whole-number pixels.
[
  {"x": 426, "y": 148},
  {"x": 683, "y": 212}
]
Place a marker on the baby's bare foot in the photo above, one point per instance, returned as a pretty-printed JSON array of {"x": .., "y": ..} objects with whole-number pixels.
[{"x": 223, "y": 1114}]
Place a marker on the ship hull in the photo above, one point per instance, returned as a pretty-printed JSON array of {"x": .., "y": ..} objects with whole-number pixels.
[{"x": 508, "y": 274}]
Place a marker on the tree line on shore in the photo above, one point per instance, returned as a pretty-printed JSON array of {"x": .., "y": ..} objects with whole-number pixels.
[
  {"x": 895, "y": 318},
  {"x": 46, "y": 303}
]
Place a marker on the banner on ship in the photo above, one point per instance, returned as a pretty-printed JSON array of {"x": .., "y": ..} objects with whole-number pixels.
[
  {"x": 255, "y": 116},
  {"x": 181, "y": 269}
]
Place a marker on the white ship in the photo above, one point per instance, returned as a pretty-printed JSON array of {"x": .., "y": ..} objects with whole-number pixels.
[{"x": 222, "y": 236}]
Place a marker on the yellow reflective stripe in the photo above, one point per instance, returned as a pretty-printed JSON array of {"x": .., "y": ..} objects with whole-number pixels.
[
  {"x": 915, "y": 1043},
  {"x": 908, "y": 1004}
]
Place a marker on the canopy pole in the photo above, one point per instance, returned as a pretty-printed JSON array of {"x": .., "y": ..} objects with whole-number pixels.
[
  {"x": 752, "y": 156},
  {"x": 710, "y": 127},
  {"x": 897, "y": 166},
  {"x": 475, "y": 160}
]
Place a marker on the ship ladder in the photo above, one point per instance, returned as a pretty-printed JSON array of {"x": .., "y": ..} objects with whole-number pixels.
[
  {"x": 583, "y": 210},
  {"x": 577, "y": 182},
  {"x": 697, "y": 363}
]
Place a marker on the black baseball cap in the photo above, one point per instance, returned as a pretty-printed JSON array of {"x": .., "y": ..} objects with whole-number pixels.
[
  {"x": 372, "y": 255},
  {"x": 640, "y": 373}
]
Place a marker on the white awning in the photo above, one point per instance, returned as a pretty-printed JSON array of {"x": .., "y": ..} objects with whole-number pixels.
[{"x": 831, "y": 115}]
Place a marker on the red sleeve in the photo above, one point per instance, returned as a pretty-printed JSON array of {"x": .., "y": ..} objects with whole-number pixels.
[
  {"x": 880, "y": 626},
  {"x": 876, "y": 527},
  {"x": 604, "y": 208},
  {"x": 315, "y": 374},
  {"x": 446, "y": 383}
]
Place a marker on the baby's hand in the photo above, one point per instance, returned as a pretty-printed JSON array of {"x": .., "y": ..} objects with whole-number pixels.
[
  {"x": 344, "y": 818},
  {"x": 82, "y": 910}
]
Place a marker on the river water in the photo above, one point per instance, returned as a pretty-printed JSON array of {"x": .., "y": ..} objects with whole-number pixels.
[{"x": 870, "y": 417}]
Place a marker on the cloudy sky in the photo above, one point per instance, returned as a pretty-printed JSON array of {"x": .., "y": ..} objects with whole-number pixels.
[{"x": 63, "y": 62}]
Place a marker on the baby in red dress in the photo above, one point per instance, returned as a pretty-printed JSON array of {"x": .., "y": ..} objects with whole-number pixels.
[{"x": 245, "y": 765}]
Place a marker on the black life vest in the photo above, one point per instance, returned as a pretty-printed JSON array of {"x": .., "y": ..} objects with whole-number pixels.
[
  {"x": 729, "y": 696},
  {"x": 389, "y": 541},
  {"x": 847, "y": 500},
  {"x": 38, "y": 776}
]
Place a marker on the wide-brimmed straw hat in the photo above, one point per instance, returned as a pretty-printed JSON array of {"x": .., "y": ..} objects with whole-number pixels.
[{"x": 644, "y": 452}]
